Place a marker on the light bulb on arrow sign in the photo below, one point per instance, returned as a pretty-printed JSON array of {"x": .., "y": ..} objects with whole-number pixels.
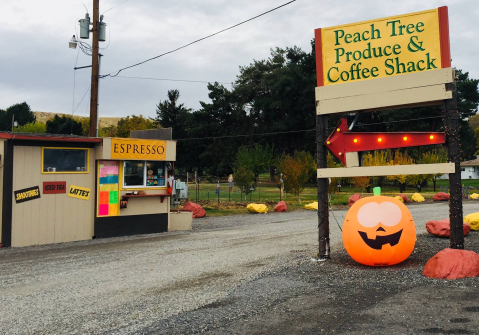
[{"x": 341, "y": 141}]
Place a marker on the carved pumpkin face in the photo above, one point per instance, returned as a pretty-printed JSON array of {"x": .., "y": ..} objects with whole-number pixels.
[{"x": 379, "y": 231}]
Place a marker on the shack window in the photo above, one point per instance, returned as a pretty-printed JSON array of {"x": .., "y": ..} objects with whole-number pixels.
[
  {"x": 64, "y": 160},
  {"x": 155, "y": 173},
  {"x": 133, "y": 173},
  {"x": 144, "y": 174}
]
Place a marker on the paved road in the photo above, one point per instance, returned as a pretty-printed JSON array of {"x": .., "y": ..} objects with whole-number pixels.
[{"x": 154, "y": 284}]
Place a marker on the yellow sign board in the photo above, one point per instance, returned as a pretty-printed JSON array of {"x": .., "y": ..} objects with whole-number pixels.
[
  {"x": 79, "y": 192},
  {"x": 380, "y": 48},
  {"x": 135, "y": 149}
]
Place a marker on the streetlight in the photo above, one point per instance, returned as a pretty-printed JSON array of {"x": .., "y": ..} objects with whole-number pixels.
[{"x": 73, "y": 43}]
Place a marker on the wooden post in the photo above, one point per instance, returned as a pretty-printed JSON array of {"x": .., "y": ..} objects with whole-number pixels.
[
  {"x": 452, "y": 127},
  {"x": 323, "y": 213}
]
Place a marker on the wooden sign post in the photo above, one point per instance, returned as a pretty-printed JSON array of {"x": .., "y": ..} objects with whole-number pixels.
[{"x": 390, "y": 63}]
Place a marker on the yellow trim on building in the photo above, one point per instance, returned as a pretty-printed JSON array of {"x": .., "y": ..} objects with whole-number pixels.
[{"x": 67, "y": 172}]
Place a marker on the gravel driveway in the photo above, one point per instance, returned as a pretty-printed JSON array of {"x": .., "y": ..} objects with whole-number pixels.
[{"x": 240, "y": 274}]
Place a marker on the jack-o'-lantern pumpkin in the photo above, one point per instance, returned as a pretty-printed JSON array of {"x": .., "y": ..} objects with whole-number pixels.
[{"x": 379, "y": 231}]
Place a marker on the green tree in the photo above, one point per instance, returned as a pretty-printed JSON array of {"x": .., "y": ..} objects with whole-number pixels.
[
  {"x": 32, "y": 127},
  {"x": 18, "y": 112},
  {"x": 170, "y": 114},
  {"x": 278, "y": 96},
  {"x": 401, "y": 158},
  {"x": 256, "y": 159},
  {"x": 362, "y": 182},
  {"x": 225, "y": 122},
  {"x": 332, "y": 162},
  {"x": 110, "y": 131},
  {"x": 377, "y": 158},
  {"x": 473, "y": 122},
  {"x": 433, "y": 157},
  {"x": 467, "y": 94},
  {"x": 129, "y": 123},
  {"x": 244, "y": 178},
  {"x": 64, "y": 125},
  {"x": 297, "y": 170}
]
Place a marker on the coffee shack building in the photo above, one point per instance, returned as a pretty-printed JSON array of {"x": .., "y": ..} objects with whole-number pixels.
[{"x": 58, "y": 188}]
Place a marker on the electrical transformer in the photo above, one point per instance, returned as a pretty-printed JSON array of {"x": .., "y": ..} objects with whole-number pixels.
[{"x": 85, "y": 27}]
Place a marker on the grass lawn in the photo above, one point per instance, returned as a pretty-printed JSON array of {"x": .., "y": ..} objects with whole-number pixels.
[{"x": 229, "y": 203}]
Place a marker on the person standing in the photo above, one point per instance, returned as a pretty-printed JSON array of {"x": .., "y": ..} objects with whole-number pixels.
[
  {"x": 171, "y": 182},
  {"x": 230, "y": 182}
]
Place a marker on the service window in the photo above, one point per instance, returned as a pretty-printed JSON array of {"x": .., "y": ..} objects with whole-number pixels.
[
  {"x": 64, "y": 160},
  {"x": 133, "y": 173},
  {"x": 144, "y": 174}
]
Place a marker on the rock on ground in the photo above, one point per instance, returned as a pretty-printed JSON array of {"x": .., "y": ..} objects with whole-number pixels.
[
  {"x": 417, "y": 197},
  {"x": 281, "y": 207},
  {"x": 257, "y": 208},
  {"x": 355, "y": 197},
  {"x": 473, "y": 220},
  {"x": 440, "y": 196},
  {"x": 404, "y": 197},
  {"x": 441, "y": 228},
  {"x": 198, "y": 211}
]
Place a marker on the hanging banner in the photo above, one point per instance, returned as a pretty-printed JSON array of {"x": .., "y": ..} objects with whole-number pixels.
[
  {"x": 384, "y": 47},
  {"x": 135, "y": 149}
]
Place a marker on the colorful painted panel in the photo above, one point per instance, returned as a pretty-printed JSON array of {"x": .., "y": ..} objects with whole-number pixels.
[{"x": 108, "y": 188}]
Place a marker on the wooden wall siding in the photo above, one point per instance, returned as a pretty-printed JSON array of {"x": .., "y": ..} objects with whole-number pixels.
[
  {"x": 2, "y": 162},
  {"x": 146, "y": 205},
  {"x": 53, "y": 218}
]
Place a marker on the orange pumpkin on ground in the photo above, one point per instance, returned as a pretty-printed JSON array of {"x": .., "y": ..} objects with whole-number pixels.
[{"x": 379, "y": 231}]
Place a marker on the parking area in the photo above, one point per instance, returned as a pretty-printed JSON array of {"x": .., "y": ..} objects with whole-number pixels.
[{"x": 237, "y": 274}]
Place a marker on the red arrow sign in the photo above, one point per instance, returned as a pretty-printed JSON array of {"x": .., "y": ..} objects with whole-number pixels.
[{"x": 341, "y": 141}]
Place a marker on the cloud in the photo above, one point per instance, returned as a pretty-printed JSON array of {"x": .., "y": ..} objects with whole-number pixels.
[{"x": 37, "y": 65}]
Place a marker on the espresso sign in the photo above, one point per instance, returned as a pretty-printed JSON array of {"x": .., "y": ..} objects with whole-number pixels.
[
  {"x": 384, "y": 47},
  {"x": 138, "y": 149},
  {"x": 54, "y": 187},
  {"x": 27, "y": 194}
]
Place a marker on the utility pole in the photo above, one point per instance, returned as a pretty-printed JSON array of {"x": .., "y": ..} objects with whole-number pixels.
[{"x": 94, "y": 71}]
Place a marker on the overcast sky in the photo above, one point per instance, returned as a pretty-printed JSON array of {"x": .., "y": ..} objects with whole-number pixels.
[{"x": 36, "y": 64}]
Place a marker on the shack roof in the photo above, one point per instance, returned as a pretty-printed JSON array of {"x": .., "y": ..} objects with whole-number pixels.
[
  {"x": 473, "y": 162},
  {"x": 49, "y": 137}
]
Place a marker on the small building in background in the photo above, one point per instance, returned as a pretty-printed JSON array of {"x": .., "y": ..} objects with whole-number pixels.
[{"x": 470, "y": 169}]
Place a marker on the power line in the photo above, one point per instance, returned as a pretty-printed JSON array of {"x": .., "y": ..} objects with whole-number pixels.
[
  {"x": 74, "y": 82},
  {"x": 63, "y": 125},
  {"x": 114, "y": 7},
  {"x": 201, "y": 39},
  {"x": 83, "y": 5},
  {"x": 298, "y": 131},
  {"x": 231, "y": 136},
  {"x": 164, "y": 79},
  {"x": 387, "y": 122}
]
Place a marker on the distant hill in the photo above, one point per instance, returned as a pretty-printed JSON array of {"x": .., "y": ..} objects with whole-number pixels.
[{"x": 104, "y": 121}]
